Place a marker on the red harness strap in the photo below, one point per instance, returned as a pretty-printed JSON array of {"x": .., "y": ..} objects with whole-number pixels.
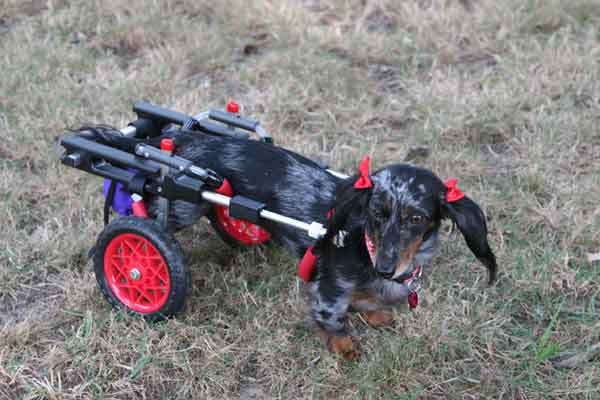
[
  {"x": 306, "y": 268},
  {"x": 307, "y": 265}
]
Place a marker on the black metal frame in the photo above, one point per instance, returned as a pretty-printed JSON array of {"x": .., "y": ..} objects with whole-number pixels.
[{"x": 184, "y": 180}]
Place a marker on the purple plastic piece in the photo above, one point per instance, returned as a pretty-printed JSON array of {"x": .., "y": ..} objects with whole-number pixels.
[{"x": 122, "y": 200}]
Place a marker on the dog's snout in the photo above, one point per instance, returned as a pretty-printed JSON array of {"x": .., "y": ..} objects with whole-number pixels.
[
  {"x": 385, "y": 269},
  {"x": 386, "y": 275}
]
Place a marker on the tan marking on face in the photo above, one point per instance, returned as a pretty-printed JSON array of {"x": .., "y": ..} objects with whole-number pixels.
[{"x": 407, "y": 256}]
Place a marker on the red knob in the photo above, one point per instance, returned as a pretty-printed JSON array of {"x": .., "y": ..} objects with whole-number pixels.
[
  {"x": 233, "y": 107},
  {"x": 167, "y": 145}
]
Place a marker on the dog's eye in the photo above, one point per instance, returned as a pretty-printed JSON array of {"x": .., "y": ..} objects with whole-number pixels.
[{"x": 417, "y": 219}]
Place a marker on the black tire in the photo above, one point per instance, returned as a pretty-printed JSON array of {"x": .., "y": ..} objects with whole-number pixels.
[{"x": 144, "y": 230}]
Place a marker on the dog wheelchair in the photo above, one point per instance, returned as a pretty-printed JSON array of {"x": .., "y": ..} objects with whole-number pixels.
[{"x": 138, "y": 263}]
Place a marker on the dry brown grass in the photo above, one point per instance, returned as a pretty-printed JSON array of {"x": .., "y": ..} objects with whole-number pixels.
[{"x": 506, "y": 94}]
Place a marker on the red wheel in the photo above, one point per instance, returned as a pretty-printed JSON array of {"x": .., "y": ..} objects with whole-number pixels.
[
  {"x": 137, "y": 273},
  {"x": 139, "y": 268},
  {"x": 235, "y": 231},
  {"x": 240, "y": 231}
]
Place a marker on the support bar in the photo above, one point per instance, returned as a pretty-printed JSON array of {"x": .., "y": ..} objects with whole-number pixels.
[{"x": 315, "y": 230}]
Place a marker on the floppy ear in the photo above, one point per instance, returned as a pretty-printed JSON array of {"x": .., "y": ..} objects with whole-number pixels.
[
  {"x": 348, "y": 212},
  {"x": 469, "y": 218}
]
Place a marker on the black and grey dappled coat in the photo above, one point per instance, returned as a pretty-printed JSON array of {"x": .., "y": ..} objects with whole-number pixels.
[{"x": 402, "y": 213}]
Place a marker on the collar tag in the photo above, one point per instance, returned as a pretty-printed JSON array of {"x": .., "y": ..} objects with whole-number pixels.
[
  {"x": 413, "y": 300},
  {"x": 414, "y": 288},
  {"x": 339, "y": 240}
]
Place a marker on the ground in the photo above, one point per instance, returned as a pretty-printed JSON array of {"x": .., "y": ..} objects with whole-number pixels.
[{"x": 503, "y": 95}]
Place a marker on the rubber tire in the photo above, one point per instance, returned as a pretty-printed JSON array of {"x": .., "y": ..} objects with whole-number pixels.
[
  {"x": 224, "y": 236},
  {"x": 168, "y": 248}
]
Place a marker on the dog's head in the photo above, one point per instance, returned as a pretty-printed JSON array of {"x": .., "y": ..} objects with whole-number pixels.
[{"x": 401, "y": 215}]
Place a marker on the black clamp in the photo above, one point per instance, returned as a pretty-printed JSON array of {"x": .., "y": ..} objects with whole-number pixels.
[
  {"x": 137, "y": 184},
  {"x": 244, "y": 208},
  {"x": 145, "y": 127},
  {"x": 182, "y": 187}
]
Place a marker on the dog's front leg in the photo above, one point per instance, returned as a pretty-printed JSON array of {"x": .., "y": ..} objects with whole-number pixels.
[
  {"x": 371, "y": 309},
  {"x": 329, "y": 306}
]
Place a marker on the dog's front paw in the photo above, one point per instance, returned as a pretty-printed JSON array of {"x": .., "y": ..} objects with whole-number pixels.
[
  {"x": 378, "y": 318},
  {"x": 346, "y": 346}
]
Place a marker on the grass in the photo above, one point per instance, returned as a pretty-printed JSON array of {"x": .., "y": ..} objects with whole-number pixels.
[{"x": 506, "y": 95}]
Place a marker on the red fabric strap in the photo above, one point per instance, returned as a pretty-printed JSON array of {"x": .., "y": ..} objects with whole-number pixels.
[
  {"x": 307, "y": 265},
  {"x": 225, "y": 189}
]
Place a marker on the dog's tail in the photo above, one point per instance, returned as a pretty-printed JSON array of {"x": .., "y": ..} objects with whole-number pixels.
[{"x": 109, "y": 136}]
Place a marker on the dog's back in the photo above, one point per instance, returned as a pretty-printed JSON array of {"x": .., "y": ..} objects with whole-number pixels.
[{"x": 286, "y": 182}]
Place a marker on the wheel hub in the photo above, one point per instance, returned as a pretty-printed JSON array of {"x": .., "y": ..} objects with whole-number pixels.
[{"x": 135, "y": 274}]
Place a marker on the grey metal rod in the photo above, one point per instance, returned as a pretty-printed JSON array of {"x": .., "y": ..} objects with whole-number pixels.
[
  {"x": 338, "y": 174},
  {"x": 314, "y": 229}
]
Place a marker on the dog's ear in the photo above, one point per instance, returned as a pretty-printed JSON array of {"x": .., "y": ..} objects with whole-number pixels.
[
  {"x": 348, "y": 211},
  {"x": 469, "y": 218}
]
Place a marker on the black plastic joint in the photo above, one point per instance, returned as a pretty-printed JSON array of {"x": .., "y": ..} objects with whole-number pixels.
[
  {"x": 182, "y": 187},
  {"x": 145, "y": 127},
  {"x": 244, "y": 208},
  {"x": 137, "y": 184},
  {"x": 233, "y": 119}
]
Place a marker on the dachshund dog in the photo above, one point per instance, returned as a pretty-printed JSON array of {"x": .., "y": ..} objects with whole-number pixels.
[{"x": 380, "y": 235}]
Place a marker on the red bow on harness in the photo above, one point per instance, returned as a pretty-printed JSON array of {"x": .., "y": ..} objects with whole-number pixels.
[
  {"x": 454, "y": 193},
  {"x": 364, "y": 181}
]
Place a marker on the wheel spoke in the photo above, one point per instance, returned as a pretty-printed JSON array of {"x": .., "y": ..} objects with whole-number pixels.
[
  {"x": 156, "y": 271},
  {"x": 153, "y": 293},
  {"x": 119, "y": 269},
  {"x": 127, "y": 293},
  {"x": 126, "y": 286},
  {"x": 134, "y": 247},
  {"x": 144, "y": 294}
]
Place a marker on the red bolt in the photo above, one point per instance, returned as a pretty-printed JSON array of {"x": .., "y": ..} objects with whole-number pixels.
[
  {"x": 233, "y": 107},
  {"x": 167, "y": 145}
]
